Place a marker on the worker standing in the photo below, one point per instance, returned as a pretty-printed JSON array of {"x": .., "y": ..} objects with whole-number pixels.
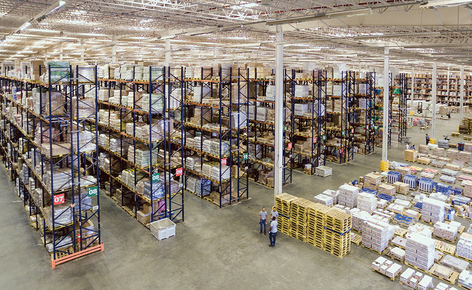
[
  {"x": 427, "y": 139},
  {"x": 273, "y": 231},
  {"x": 274, "y": 213},
  {"x": 263, "y": 219},
  {"x": 407, "y": 146}
]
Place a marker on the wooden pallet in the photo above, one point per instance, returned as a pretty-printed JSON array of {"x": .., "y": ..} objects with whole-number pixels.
[
  {"x": 455, "y": 134},
  {"x": 468, "y": 138},
  {"x": 357, "y": 240},
  {"x": 451, "y": 279},
  {"x": 463, "y": 287},
  {"x": 400, "y": 232},
  {"x": 446, "y": 240},
  {"x": 445, "y": 248},
  {"x": 393, "y": 257},
  {"x": 461, "y": 230},
  {"x": 377, "y": 252},
  {"x": 393, "y": 279},
  {"x": 417, "y": 268},
  {"x": 463, "y": 258}
]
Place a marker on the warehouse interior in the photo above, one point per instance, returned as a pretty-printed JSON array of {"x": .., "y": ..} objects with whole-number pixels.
[{"x": 140, "y": 140}]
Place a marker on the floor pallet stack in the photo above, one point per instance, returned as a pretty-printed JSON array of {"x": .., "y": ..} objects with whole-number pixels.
[
  {"x": 298, "y": 222},
  {"x": 337, "y": 232},
  {"x": 282, "y": 204},
  {"x": 316, "y": 219}
]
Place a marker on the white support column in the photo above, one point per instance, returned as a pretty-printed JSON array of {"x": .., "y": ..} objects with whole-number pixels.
[
  {"x": 279, "y": 113},
  {"x": 433, "y": 99},
  {"x": 61, "y": 52},
  {"x": 168, "y": 59},
  {"x": 82, "y": 50},
  {"x": 113, "y": 49},
  {"x": 385, "y": 106},
  {"x": 447, "y": 92},
  {"x": 462, "y": 92}
]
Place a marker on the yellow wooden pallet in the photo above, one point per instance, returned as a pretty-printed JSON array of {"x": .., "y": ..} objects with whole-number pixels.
[
  {"x": 445, "y": 247},
  {"x": 451, "y": 279}
]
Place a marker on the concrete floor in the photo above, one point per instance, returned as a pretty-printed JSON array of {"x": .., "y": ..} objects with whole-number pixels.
[{"x": 213, "y": 249}]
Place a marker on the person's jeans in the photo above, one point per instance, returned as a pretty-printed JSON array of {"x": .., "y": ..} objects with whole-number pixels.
[
  {"x": 272, "y": 237},
  {"x": 265, "y": 223}
]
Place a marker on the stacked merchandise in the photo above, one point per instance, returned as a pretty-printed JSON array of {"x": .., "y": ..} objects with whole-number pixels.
[
  {"x": 387, "y": 189},
  {"x": 446, "y": 231},
  {"x": 425, "y": 185},
  {"x": 372, "y": 181},
  {"x": 386, "y": 267},
  {"x": 438, "y": 152},
  {"x": 358, "y": 218},
  {"x": 467, "y": 188},
  {"x": 62, "y": 179},
  {"x": 366, "y": 202},
  {"x": 393, "y": 176},
  {"x": 282, "y": 205},
  {"x": 191, "y": 183},
  {"x": 464, "y": 246},
  {"x": 103, "y": 95},
  {"x": 203, "y": 187},
  {"x": 420, "y": 251},
  {"x": 403, "y": 170},
  {"x": 153, "y": 73},
  {"x": 62, "y": 216},
  {"x": 401, "y": 187},
  {"x": 411, "y": 180},
  {"x": 153, "y": 102},
  {"x": 465, "y": 279},
  {"x": 223, "y": 173},
  {"x": 423, "y": 149},
  {"x": 376, "y": 235},
  {"x": 348, "y": 195},
  {"x": 452, "y": 154},
  {"x": 410, "y": 155},
  {"x": 301, "y": 91},
  {"x": 464, "y": 156},
  {"x": 316, "y": 219},
  {"x": 337, "y": 238},
  {"x": 298, "y": 214},
  {"x": 324, "y": 199},
  {"x": 433, "y": 210}
]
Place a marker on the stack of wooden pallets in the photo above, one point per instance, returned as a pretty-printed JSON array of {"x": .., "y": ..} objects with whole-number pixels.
[
  {"x": 283, "y": 204},
  {"x": 298, "y": 213},
  {"x": 337, "y": 238},
  {"x": 316, "y": 219}
]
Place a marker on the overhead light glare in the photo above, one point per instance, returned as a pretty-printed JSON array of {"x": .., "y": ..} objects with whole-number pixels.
[
  {"x": 24, "y": 26},
  {"x": 444, "y": 3}
]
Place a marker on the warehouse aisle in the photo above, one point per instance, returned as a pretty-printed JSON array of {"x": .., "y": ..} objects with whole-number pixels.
[{"x": 214, "y": 248}]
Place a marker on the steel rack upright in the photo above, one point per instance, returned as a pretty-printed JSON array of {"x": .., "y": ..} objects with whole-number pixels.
[
  {"x": 320, "y": 113},
  {"x": 212, "y": 126},
  {"x": 402, "y": 109},
  {"x": 239, "y": 104}
]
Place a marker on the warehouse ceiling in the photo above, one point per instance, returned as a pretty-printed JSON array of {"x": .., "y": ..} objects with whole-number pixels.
[{"x": 316, "y": 33}]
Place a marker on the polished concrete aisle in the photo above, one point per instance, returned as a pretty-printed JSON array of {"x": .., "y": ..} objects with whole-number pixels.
[{"x": 213, "y": 249}]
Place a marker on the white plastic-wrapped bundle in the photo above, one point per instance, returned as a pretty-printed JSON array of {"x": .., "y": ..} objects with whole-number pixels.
[
  {"x": 465, "y": 279},
  {"x": 103, "y": 95},
  {"x": 190, "y": 163},
  {"x": 433, "y": 210},
  {"x": 222, "y": 174},
  {"x": 464, "y": 246},
  {"x": 324, "y": 199},
  {"x": 358, "y": 218},
  {"x": 301, "y": 91},
  {"x": 348, "y": 195},
  {"x": 446, "y": 231},
  {"x": 420, "y": 251},
  {"x": 377, "y": 234},
  {"x": 366, "y": 202}
]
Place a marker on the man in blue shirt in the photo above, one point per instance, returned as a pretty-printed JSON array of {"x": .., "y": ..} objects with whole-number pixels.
[
  {"x": 273, "y": 231},
  {"x": 263, "y": 219}
]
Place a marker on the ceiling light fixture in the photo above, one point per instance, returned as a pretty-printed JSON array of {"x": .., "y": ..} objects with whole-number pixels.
[
  {"x": 321, "y": 16},
  {"x": 444, "y": 3},
  {"x": 51, "y": 9}
]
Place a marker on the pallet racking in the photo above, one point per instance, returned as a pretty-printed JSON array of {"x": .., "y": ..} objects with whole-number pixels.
[
  {"x": 52, "y": 152},
  {"x": 141, "y": 142},
  {"x": 215, "y": 125}
]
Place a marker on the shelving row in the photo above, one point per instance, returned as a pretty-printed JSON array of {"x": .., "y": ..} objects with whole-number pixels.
[{"x": 49, "y": 149}]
